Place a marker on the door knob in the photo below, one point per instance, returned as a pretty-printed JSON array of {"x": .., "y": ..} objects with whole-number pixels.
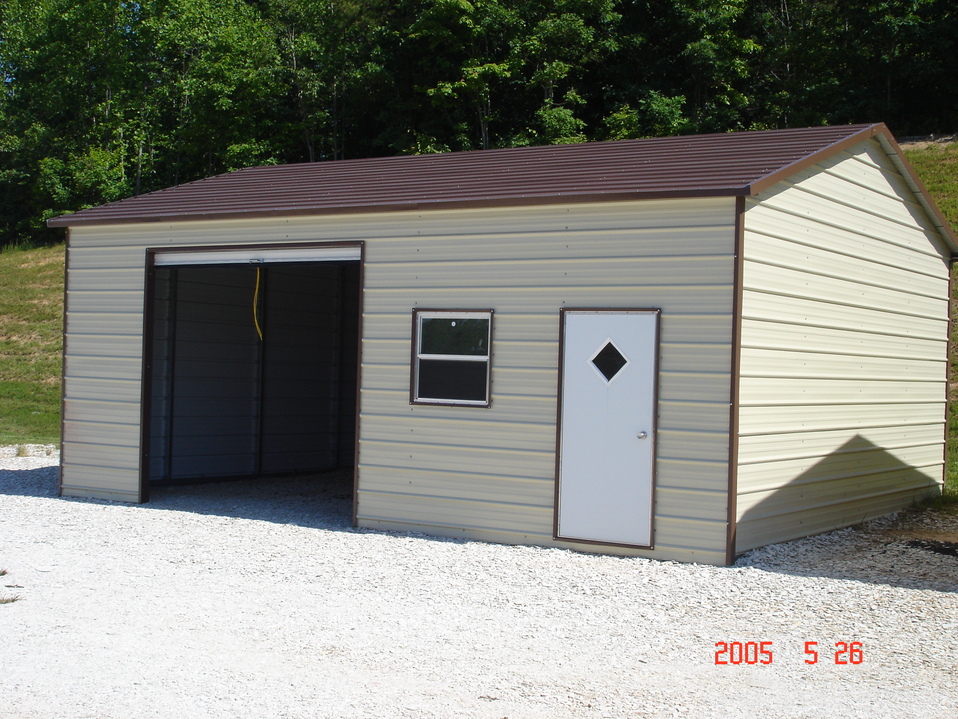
[{"x": 642, "y": 435}]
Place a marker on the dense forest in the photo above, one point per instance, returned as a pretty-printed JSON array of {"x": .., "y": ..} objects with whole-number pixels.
[{"x": 103, "y": 99}]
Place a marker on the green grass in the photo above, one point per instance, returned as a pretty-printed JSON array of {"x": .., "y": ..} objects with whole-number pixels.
[
  {"x": 31, "y": 324},
  {"x": 937, "y": 166}
]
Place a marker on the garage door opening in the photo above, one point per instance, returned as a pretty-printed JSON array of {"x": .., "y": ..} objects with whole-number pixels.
[{"x": 252, "y": 369}]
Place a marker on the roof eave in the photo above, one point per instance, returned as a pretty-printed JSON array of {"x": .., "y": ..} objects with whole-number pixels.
[
  {"x": 763, "y": 183},
  {"x": 76, "y": 220},
  {"x": 908, "y": 173},
  {"x": 880, "y": 131}
]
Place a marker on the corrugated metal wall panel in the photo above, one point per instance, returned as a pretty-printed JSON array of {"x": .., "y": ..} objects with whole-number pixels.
[
  {"x": 105, "y": 390},
  {"x": 854, "y": 458},
  {"x": 403, "y": 227},
  {"x": 590, "y": 244},
  {"x": 798, "y": 363},
  {"x": 97, "y": 481},
  {"x": 841, "y": 216},
  {"x": 112, "y": 323},
  {"x": 101, "y": 454},
  {"x": 99, "y": 344},
  {"x": 104, "y": 301},
  {"x": 698, "y": 416},
  {"x": 122, "y": 435},
  {"x": 772, "y": 251},
  {"x": 803, "y": 391},
  {"x": 127, "y": 368},
  {"x": 684, "y": 473},
  {"x": 822, "y": 518},
  {"x": 109, "y": 280},
  {"x": 796, "y": 337},
  {"x": 806, "y": 232},
  {"x": 691, "y": 444},
  {"x": 692, "y": 299},
  {"x": 510, "y": 488},
  {"x": 490, "y": 471},
  {"x": 843, "y": 362},
  {"x": 117, "y": 258},
  {"x": 509, "y": 408},
  {"x": 774, "y": 447},
  {"x": 650, "y": 271},
  {"x": 766, "y": 305},
  {"x": 803, "y": 282},
  {"x": 682, "y": 271},
  {"x": 708, "y": 506},
  {"x": 762, "y": 419},
  {"x": 126, "y": 413},
  {"x": 484, "y": 432},
  {"x": 499, "y": 459},
  {"x": 444, "y": 512}
]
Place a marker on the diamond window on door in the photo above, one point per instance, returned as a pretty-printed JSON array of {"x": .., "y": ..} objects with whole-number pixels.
[{"x": 609, "y": 361}]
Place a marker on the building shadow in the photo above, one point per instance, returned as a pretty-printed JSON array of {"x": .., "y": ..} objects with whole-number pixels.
[
  {"x": 857, "y": 482},
  {"x": 33, "y": 482},
  {"x": 322, "y": 500}
]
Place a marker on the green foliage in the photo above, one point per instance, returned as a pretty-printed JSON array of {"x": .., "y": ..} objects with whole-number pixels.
[
  {"x": 657, "y": 116},
  {"x": 31, "y": 302},
  {"x": 103, "y": 99}
]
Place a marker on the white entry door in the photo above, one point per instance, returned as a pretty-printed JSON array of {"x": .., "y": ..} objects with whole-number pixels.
[{"x": 607, "y": 426}]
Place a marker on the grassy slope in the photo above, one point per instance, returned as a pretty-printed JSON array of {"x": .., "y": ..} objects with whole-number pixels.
[
  {"x": 31, "y": 311},
  {"x": 937, "y": 165}
]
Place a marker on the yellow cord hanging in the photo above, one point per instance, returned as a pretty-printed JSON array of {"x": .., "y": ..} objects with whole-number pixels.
[{"x": 259, "y": 330}]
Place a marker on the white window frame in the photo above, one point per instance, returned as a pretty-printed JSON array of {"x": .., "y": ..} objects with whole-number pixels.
[{"x": 418, "y": 355}]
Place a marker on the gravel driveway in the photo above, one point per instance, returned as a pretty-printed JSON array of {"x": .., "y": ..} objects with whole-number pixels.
[{"x": 256, "y": 600}]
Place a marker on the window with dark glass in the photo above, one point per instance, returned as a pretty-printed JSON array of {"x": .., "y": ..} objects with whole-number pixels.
[{"x": 451, "y": 356}]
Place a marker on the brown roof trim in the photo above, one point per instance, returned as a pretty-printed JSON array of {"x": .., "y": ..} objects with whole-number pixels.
[
  {"x": 525, "y": 200},
  {"x": 897, "y": 156},
  {"x": 763, "y": 183}
]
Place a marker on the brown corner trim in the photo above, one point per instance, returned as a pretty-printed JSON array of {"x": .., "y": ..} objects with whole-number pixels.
[
  {"x": 146, "y": 378},
  {"x": 735, "y": 368},
  {"x": 950, "y": 348},
  {"x": 63, "y": 359},
  {"x": 359, "y": 380}
]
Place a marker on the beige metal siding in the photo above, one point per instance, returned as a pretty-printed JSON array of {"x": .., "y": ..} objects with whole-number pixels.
[
  {"x": 491, "y": 471},
  {"x": 843, "y": 361},
  {"x": 458, "y": 471}
]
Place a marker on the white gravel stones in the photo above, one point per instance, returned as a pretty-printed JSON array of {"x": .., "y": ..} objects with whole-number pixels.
[{"x": 259, "y": 600}]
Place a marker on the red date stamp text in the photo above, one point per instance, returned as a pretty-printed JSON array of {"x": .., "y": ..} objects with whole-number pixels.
[{"x": 762, "y": 653}]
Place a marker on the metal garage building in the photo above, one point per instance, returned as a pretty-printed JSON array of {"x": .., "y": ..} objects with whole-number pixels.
[{"x": 679, "y": 348}]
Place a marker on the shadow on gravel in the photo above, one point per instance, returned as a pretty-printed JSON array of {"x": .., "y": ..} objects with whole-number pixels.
[
  {"x": 37, "y": 482},
  {"x": 857, "y": 479},
  {"x": 317, "y": 501},
  {"x": 911, "y": 550},
  {"x": 321, "y": 501}
]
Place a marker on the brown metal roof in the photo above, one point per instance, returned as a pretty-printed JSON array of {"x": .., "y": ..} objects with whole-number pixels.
[{"x": 729, "y": 164}]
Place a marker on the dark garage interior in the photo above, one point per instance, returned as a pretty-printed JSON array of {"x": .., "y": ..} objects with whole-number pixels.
[{"x": 253, "y": 370}]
